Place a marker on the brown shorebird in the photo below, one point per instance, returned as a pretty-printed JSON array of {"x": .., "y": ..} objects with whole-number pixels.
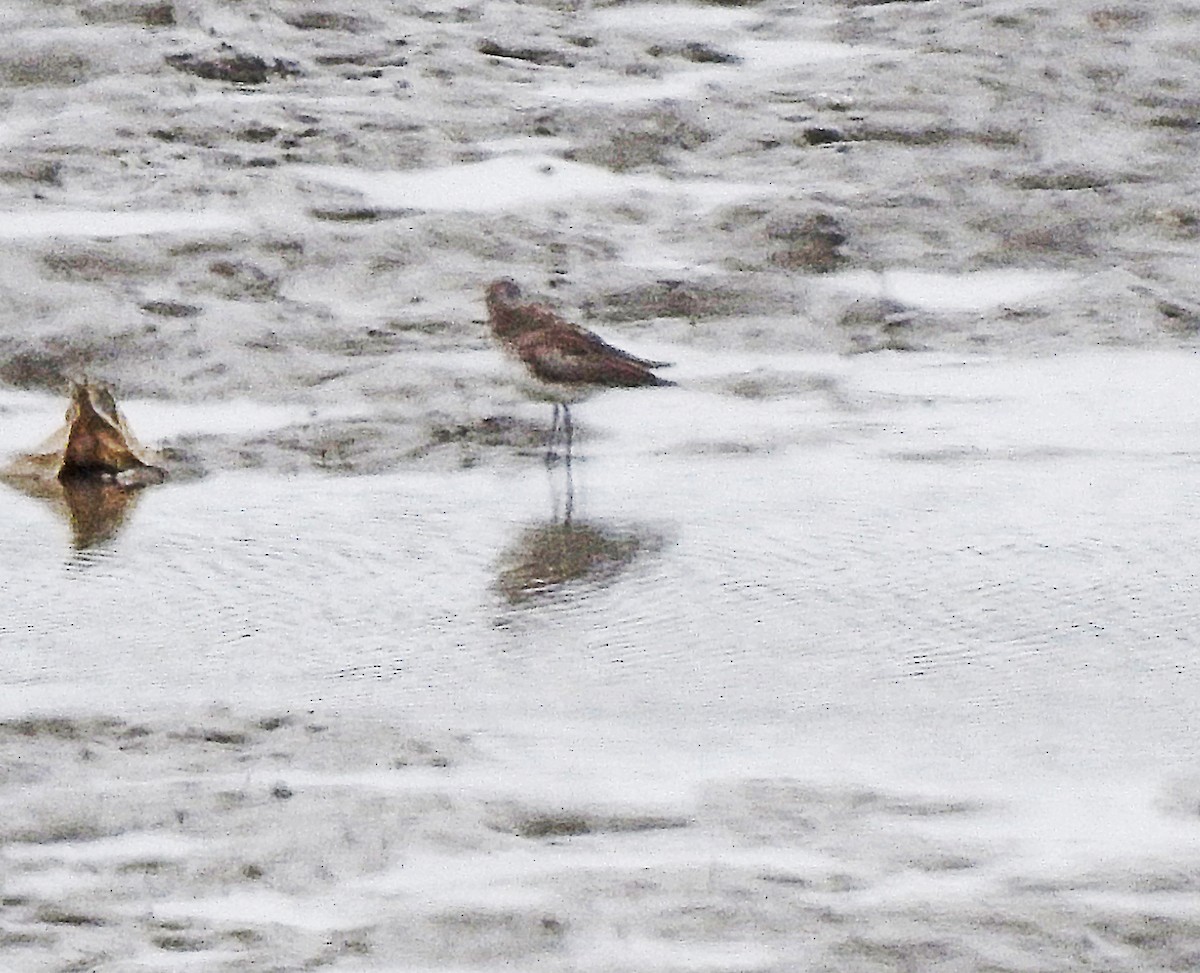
[{"x": 566, "y": 361}]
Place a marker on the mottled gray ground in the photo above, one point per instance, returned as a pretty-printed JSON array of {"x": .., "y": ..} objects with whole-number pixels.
[
  {"x": 960, "y": 138},
  {"x": 286, "y": 843},
  {"x": 1006, "y": 135}
]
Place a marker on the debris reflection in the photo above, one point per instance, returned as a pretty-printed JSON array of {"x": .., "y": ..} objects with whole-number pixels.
[{"x": 91, "y": 470}]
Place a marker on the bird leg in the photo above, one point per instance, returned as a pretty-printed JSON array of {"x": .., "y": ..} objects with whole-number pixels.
[
  {"x": 569, "y": 500},
  {"x": 568, "y": 432},
  {"x": 552, "y": 439}
]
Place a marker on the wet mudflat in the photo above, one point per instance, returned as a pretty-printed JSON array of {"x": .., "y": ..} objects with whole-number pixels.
[
  {"x": 890, "y": 665},
  {"x": 868, "y": 647}
]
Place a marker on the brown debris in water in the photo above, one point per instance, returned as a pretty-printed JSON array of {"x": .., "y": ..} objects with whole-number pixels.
[
  {"x": 99, "y": 442},
  {"x": 91, "y": 468}
]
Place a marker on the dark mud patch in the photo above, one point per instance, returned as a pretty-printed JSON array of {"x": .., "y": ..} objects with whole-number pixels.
[
  {"x": 421, "y": 753},
  {"x": 220, "y": 736},
  {"x": 482, "y": 936},
  {"x": 233, "y": 67},
  {"x": 352, "y": 446},
  {"x": 46, "y": 68},
  {"x": 1163, "y": 942},
  {"x": 569, "y": 824},
  {"x": 517, "y": 52},
  {"x": 765, "y": 385},
  {"x": 180, "y": 944},
  {"x": 1067, "y": 180},
  {"x": 61, "y": 917},
  {"x": 57, "y": 728},
  {"x": 171, "y": 309},
  {"x": 329, "y": 20},
  {"x": 640, "y": 139},
  {"x": 257, "y": 134},
  {"x": 64, "y": 728},
  {"x": 725, "y": 447},
  {"x": 1062, "y": 240},
  {"x": 1179, "y": 318},
  {"x": 345, "y": 447},
  {"x": 62, "y": 825},
  {"x": 935, "y": 863},
  {"x": 690, "y": 300},
  {"x": 244, "y": 280},
  {"x": 358, "y": 214},
  {"x": 813, "y": 243},
  {"x": 491, "y": 432},
  {"x": 949, "y": 455},
  {"x": 829, "y": 884},
  {"x": 881, "y": 324},
  {"x": 139, "y": 14},
  {"x": 783, "y": 811},
  {"x": 906, "y": 954},
  {"x": 148, "y": 867},
  {"x": 796, "y": 239},
  {"x": 912, "y": 136},
  {"x": 17, "y": 939},
  {"x": 42, "y": 172},
  {"x": 93, "y": 265},
  {"x": 694, "y": 51},
  {"x": 390, "y": 337},
  {"x": 374, "y": 61}
]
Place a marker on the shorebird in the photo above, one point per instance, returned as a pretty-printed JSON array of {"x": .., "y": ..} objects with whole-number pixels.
[{"x": 567, "y": 362}]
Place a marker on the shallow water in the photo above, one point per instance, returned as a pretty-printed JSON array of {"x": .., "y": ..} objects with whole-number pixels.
[{"x": 959, "y": 571}]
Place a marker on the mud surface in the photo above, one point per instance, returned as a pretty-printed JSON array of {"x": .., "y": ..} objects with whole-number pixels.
[
  {"x": 848, "y": 137},
  {"x": 866, "y": 648},
  {"x": 287, "y": 843}
]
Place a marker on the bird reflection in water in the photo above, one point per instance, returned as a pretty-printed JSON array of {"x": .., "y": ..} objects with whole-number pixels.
[
  {"x": 563, "y": 556},
  {"x": 92, "y": 469}
]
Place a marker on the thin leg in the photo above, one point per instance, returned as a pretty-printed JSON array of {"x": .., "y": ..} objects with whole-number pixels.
[
  {"x": 552, "y": 439},
  {"x": 569, "y": 499},
  {"x": 568, "y": 431}
]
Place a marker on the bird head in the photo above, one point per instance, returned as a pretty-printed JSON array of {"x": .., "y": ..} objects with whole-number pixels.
[{"x": 503, "y": 291}]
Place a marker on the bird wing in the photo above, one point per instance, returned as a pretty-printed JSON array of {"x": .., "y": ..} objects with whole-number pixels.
[
  {"x": 604, "y": 347},
  {"x": 571, "y": 355},
  {"x": 538, "y": 316}
]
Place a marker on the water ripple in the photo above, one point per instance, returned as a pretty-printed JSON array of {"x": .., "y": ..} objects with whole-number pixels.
[{"x": 820, "y": 585}]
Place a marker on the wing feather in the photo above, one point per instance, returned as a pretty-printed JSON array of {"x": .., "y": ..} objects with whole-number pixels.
[
  {"x": 511, "y": 321},
  {"x": 572, "y": 356}
]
